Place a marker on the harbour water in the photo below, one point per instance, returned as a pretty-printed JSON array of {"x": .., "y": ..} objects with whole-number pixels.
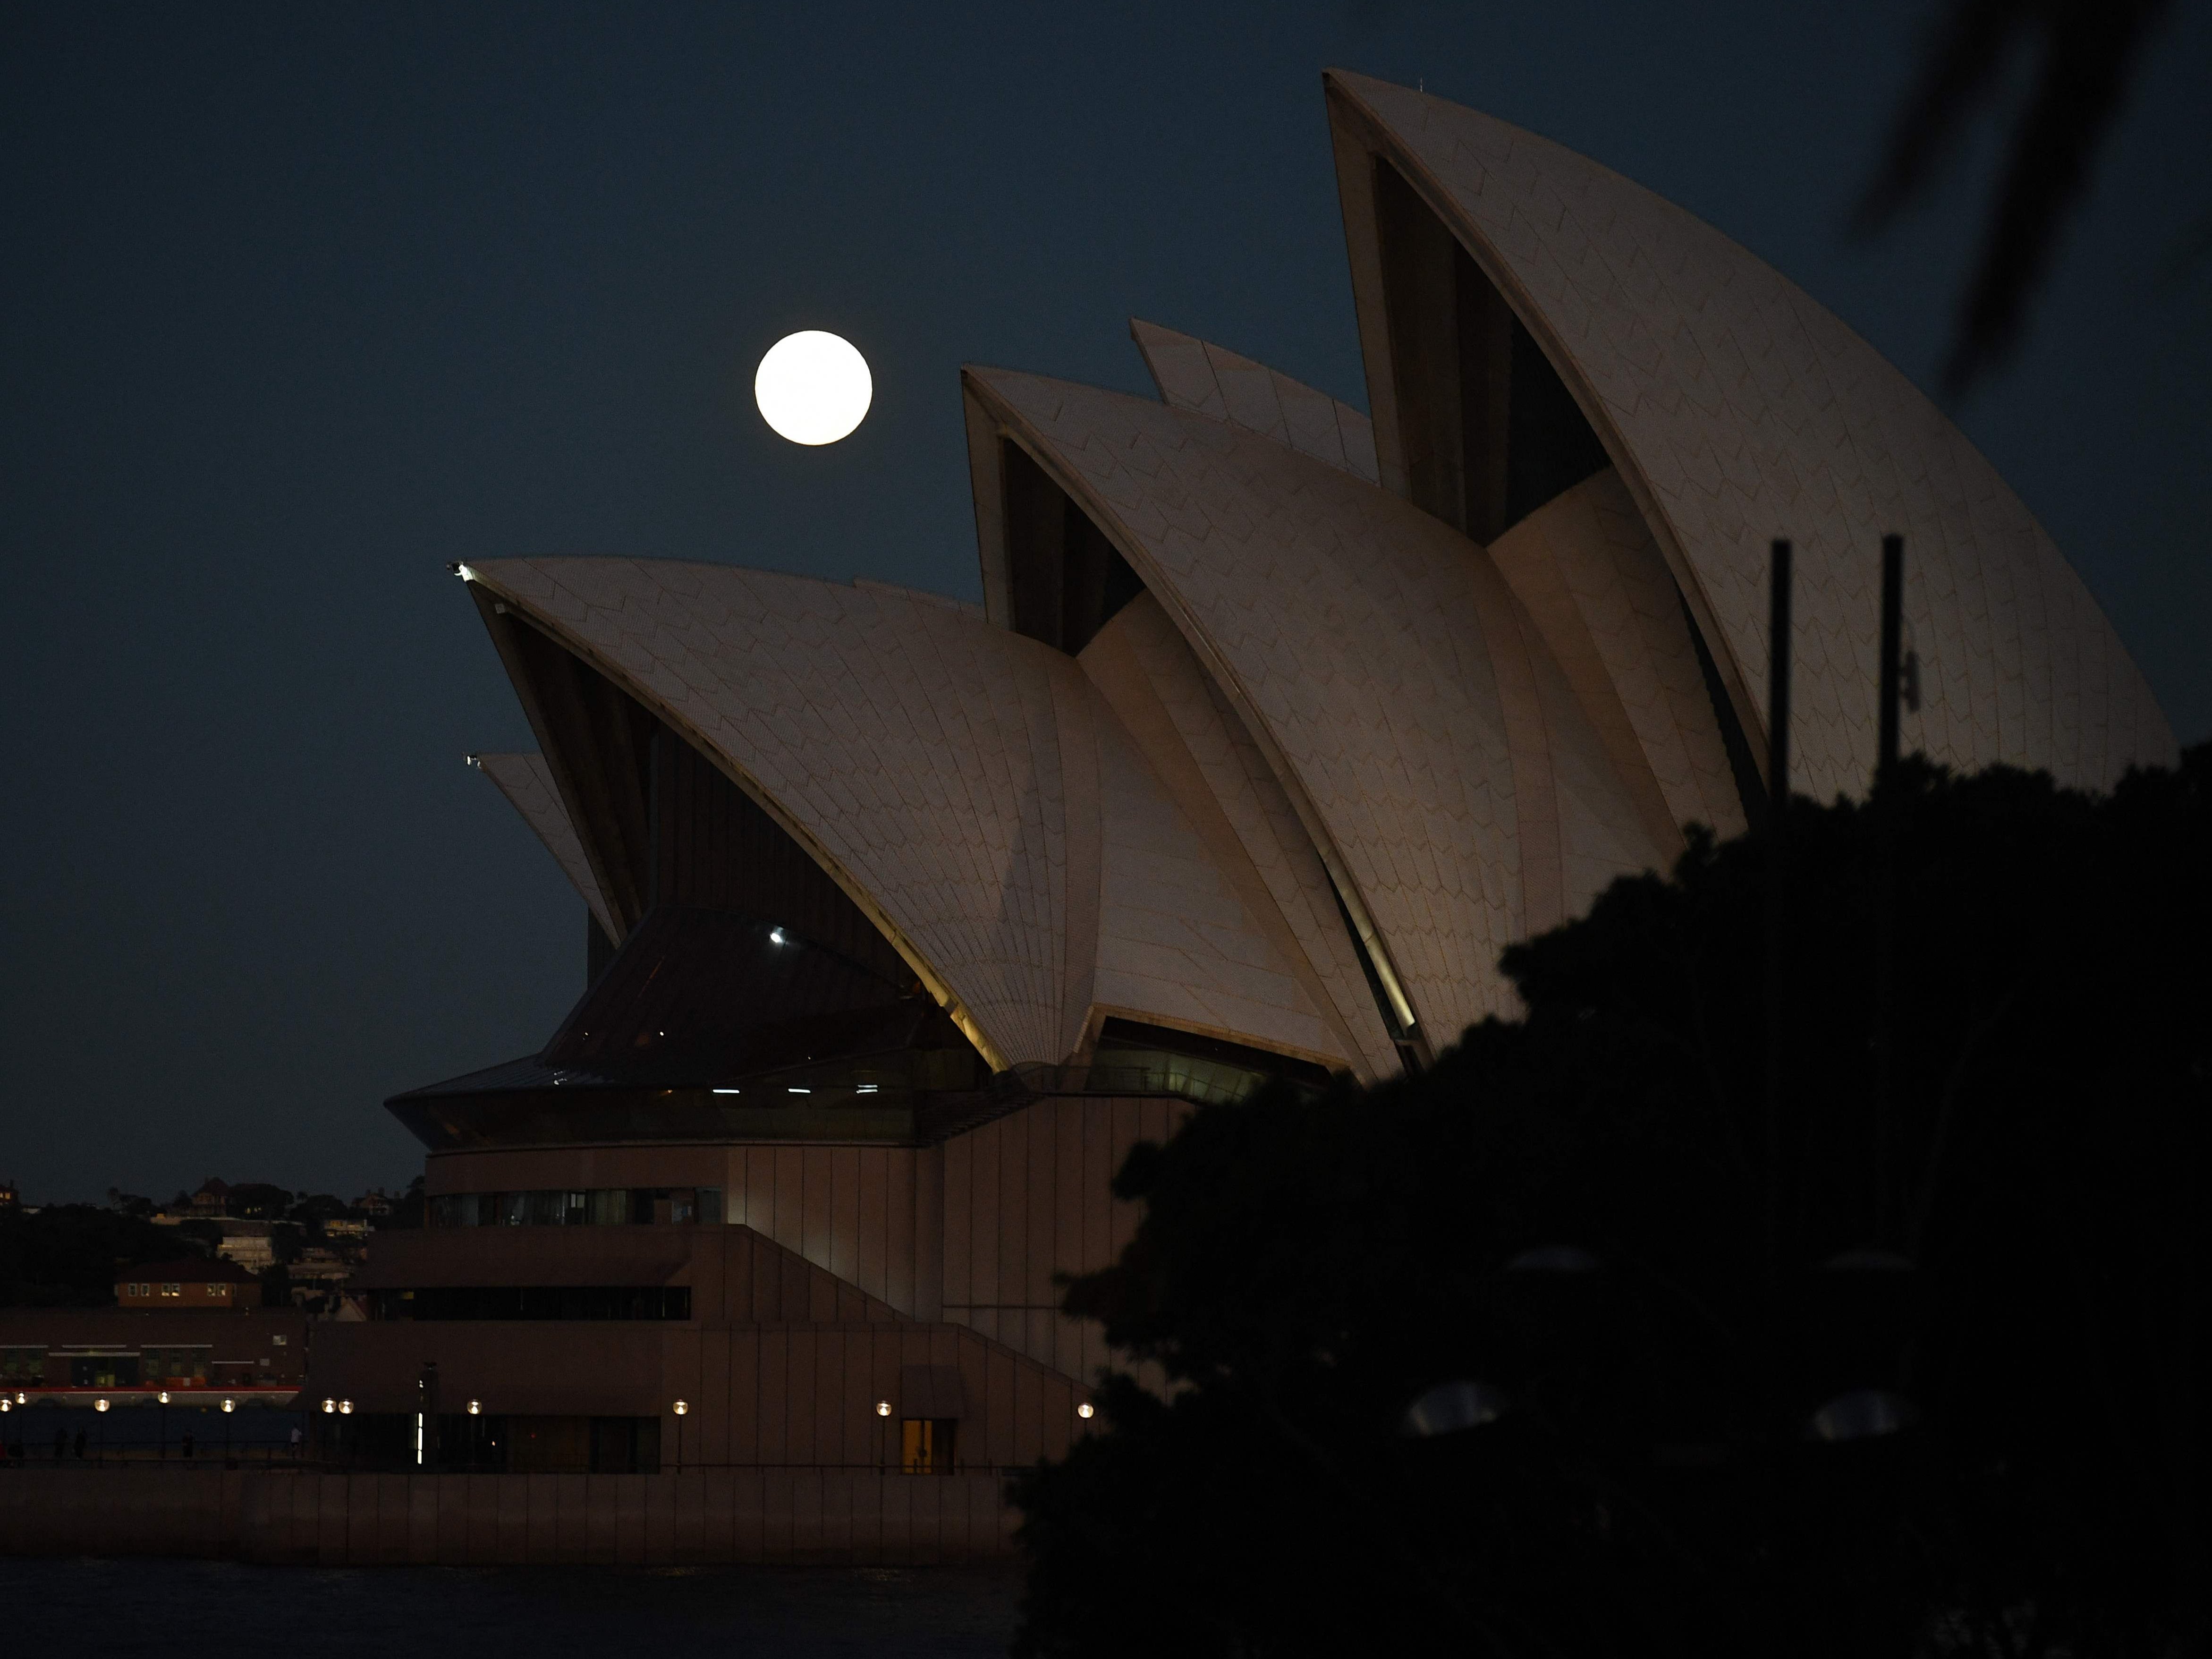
[{"x": 149, "y": 1606}]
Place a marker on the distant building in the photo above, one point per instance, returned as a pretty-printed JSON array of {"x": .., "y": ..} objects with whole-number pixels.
[
  {"x": 249, "y": 1244},
  {"x": 213, "y": 1199},
  {"x": 188, "y": 1282},
  {"x": 9, "y": 1197},
  {"x": 376, "y": 1202}
]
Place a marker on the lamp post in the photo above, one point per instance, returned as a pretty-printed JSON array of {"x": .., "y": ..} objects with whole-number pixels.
[{"x": 683, "y": 1409}]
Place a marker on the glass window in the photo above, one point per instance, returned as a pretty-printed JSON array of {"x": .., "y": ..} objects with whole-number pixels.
[
  {"x": 487, "y": 1209},
  {"x": 710, "y": 1207},
  {"x": 609, "y": 1207},
  {"x": 926, "y": 1445},
  {"x": 516, "y": 1209},
  {"x": 23, "y": 1365},
  {"x": 172, "y": 1290}
]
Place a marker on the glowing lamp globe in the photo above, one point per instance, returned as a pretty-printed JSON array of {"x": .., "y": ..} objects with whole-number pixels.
[{"x": 812, "y": 387}]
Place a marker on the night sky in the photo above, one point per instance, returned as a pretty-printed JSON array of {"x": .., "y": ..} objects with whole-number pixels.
[{"x": 299, "y": 305}]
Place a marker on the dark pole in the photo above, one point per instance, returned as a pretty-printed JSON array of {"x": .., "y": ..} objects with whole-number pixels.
[
  {"x": 1892, "y": 628},
  {"x": 1778, "y": 796},
  {"x": 1884, "y": 926}
]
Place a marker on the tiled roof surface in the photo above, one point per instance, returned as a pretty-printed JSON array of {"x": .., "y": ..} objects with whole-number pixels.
[
  {"x": 963, "y": 783},
  {"x": 1743, "y": 411},
  {"x": 1344, "y": 624},
  {"x": 1209, "y": 379}
]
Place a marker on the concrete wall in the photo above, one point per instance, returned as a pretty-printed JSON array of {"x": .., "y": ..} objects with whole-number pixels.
[{"x": 801, "y": 1516}]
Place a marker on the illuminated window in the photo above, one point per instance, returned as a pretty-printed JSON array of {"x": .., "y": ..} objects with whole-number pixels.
[
  {"x": 172, "y": 1290},
  {"x": 926, "y": 1445}
]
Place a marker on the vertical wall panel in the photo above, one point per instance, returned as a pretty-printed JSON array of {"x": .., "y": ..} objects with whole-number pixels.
[
  {"x": 931, "y": 1223},
  {"x": 872, "y": 1200},
  {"x": 744, "y": 1397},
  {"x": 790, "y": 1187},
  {"x": 842, "y": 1254},
  {"x": 1075, "y": 1116},
  {"x": 799, "y": 1397},
  {"x": 760, "y": 1190},
  {"x": 984, "y": 1220},
  {"x": 1013, "y": 1215},
  {"x": 814, "y": 1220},
  {"x": 774, "y": 1409},
  {"x": 957, "y": 1162}
]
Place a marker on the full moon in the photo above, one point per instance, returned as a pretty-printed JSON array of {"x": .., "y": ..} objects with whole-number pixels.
[{"x": 813, "y": 387}]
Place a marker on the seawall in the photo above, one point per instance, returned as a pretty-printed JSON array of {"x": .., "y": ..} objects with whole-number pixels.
[{"x": 795, "y": 1516}]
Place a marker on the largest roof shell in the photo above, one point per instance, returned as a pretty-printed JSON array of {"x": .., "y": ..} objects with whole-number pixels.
[{"x": 1739, "y": 410}]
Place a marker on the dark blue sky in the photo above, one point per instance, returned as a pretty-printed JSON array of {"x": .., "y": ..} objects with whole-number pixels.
[{"x": 299, "y": 305}]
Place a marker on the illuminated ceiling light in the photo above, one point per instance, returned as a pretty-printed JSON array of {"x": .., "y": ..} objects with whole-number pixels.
[
  {"x": 798, "y": 1091},
  {"x": 681, "y": 1406},
  {"x": 729, "y": 1092},
  {"x": 865, "y": 1088},
  {"x": 475, "y": 1408},
  {"x": 883, "y": 1408},
  {"x": 1086, "y": 1411}
]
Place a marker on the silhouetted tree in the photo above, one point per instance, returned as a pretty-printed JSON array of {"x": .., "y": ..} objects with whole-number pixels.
[
  {"x": 2086, "y": 54},
  {"x": 1570, "y": 1210}
]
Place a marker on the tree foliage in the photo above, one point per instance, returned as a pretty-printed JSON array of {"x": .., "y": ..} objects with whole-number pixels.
[{"x": 1307, "y": 1267}]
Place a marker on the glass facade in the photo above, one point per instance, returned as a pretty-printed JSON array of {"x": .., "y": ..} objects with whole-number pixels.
[{"x": 597, "y": 1207}]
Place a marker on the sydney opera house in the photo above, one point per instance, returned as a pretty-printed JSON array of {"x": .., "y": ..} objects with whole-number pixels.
[{"x": 1277, "y": 722}]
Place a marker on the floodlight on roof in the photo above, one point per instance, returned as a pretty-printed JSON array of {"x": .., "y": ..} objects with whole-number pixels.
[{"x": 775, "y": 936}]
